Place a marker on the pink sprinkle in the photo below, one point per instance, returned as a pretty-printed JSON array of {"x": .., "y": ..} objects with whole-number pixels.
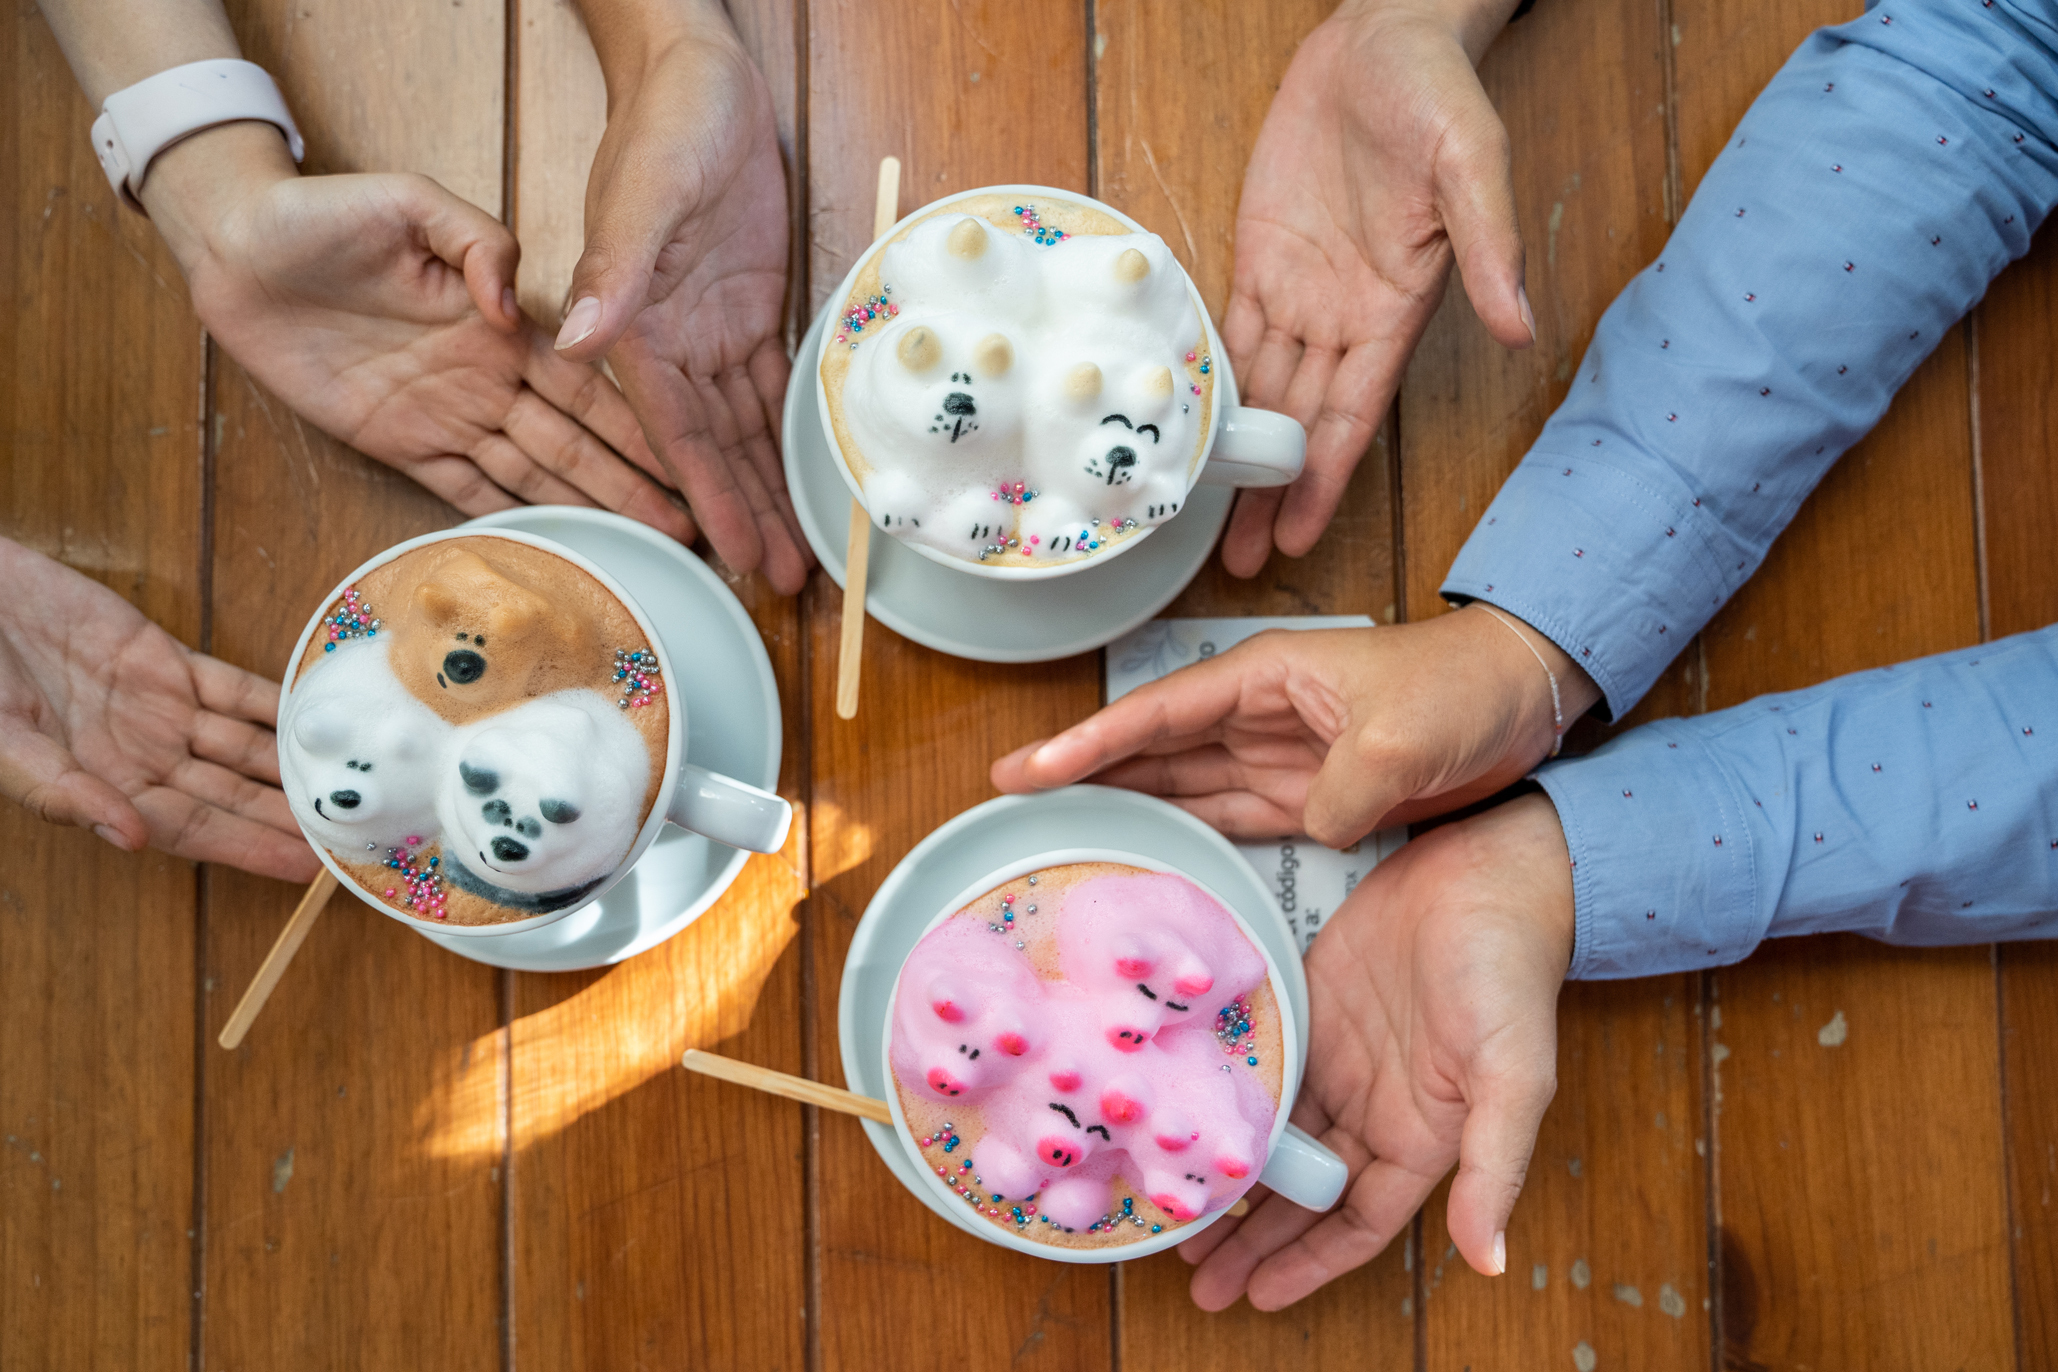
[
  {"x": 389, "y": 892},
  {"x": 1189, "y": 357},
  {"x": 1196, "y": 390},
  {"x": 414, "y": 840},
  {"x": 893, "y": 309},
  {"x": 1036, "y": 538}
]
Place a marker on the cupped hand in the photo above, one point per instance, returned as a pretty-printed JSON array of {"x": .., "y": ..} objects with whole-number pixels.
[
  {"x": 381, "y": 309},
  {"x": 110, "y": 723},
  {"x": 1326, "y": 732},
  {"x": 1380, "y": 162},
  {"x": 1432, "y": 1040},
  {"x": 683, "y": 280}
]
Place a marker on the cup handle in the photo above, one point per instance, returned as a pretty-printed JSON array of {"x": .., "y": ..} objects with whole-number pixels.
[
  {"x": 1303, "y": 1171},
  {"x": 1256, "y": 448},
  {"x": 729, "y": 811}
]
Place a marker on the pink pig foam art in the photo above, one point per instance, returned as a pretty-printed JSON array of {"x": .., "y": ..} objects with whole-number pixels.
[{"x": 1089, "y": 1055}]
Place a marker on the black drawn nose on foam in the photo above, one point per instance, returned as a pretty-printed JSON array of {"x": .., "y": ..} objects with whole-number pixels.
[
  {"x": 507, "y": 850},
  {"x": 349, "y": 800},
  {"x": 957, "y": 402}
]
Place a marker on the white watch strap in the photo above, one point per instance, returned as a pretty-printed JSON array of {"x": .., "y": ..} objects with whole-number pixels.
[{"x": 141, "y": 121}]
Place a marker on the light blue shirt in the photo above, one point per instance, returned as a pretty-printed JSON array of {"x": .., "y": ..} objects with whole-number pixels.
[{"x": 1886, "y": 175}]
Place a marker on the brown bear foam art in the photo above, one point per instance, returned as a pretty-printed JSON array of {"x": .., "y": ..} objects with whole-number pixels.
[
  {"x": 476, "y": 628},
  {"x": 1089, "y": 1055}
]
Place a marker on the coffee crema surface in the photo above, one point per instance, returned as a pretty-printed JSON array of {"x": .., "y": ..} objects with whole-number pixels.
[
  {"x": 476, "y": 732},
  {"x": 1020, "y": 384},
  {"x": 1089, "y": 1055}
]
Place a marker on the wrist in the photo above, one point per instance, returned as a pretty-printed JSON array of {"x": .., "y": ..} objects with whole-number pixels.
[
  {"x": 1552, "y": 690},
  {"x": 195, "y": 186},
  {"x": 1473, "y": 24},
  {"x": 633, "y": 38}
]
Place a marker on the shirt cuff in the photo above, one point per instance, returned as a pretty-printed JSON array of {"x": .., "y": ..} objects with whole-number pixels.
[
  {"x": 1666, "y": 856},
  {"x": 1619, "y": 569}
]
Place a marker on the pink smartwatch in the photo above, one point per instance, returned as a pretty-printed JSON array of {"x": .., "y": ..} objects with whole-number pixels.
[{"x": 141, "y": 121}]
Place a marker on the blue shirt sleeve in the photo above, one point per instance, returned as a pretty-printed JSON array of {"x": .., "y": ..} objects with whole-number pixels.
[
  {"x": 1917, "y": 804},
  {"x": 1890, "y": 170}
]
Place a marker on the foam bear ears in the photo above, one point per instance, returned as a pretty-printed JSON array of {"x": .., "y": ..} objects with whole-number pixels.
[
  {"x": 920, "y": 349},
  {"x": 467, "y": 592}
]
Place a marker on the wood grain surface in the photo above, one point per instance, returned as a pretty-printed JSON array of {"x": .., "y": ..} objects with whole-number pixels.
[{"x": 415, "y": 1160}]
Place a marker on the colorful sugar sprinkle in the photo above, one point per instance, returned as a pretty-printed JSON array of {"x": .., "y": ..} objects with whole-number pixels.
[
  {"x": 875, "y": 311},
  {"x": 424, "y": 894},
  {"x": 1042, "y": 232},
  {"x": 350, "y": 617},
  {"x": 636, "y": 671}
]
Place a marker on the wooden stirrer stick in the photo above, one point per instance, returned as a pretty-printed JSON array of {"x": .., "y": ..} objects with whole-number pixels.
[
  {"x": 792, "y": 1087},
  {"x": 857, "y": 556},
  {"x": 275, "y": 962}
]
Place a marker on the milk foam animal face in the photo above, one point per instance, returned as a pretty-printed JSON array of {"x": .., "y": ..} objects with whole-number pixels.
[
  {"x": 472, "y": 640},
  {"x": 965, "y": 1018},
  {"x": 1030, "y": 400},
  {"x": 361, "y": 755},
  {"x": 547, "y": 796},
  {"x": 1160, "y": 964}
]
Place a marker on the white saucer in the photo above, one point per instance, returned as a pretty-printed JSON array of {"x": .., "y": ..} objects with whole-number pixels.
[
  {"x": 987, "y": 838},
  {"x": 733, "y": 726},
  {"x": 970, "y": 616}
]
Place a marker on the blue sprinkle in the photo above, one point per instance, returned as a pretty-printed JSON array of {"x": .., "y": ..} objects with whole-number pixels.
[
  {"x": 328, "y": 647},
  {"x": 1252, "y": 1061},
  {"x": 1157, "y": 1229}
]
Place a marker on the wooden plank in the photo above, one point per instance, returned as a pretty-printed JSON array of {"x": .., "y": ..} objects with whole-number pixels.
[
  {"x": 628, "y": 1172},
  {"x": 1909, "y": 1264},
  {"x": 995, "y": 98},
  {"x": 354, "y": 1145},
  {"x": 2017, "y": 432},
  {"x": 1616, "y": 1193},
  {"x": 1177, "y": 166},
  {"x": 100, "y": 366}
]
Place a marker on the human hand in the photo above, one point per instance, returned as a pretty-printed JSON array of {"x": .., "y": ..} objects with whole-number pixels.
[
  {"x": 1326, "y": 732},
  {"x": 110, "y": 723},
  {"x": 684, "y": 275},
  {"x": 1380, "y": 161},
  {"x": 1432, "y": 1039},
  {"x": 381, "y": 309}
]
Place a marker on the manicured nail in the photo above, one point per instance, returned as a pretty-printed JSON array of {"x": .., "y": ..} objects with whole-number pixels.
[
  {"x": 580, "y": 323},
  {"x": 114, "y": 836},
  {"x": 507, "y": 302},
  {"x": 1528, "y": 315},
  {"x": 1500, "y": 1240}
]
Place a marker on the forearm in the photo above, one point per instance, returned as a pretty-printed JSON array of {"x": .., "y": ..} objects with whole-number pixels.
[
  {"x": 629, "y": 35},
  {"x": 1883, "y": 178},
  {"x": 112, "y": 44},
  {"x": 1916, "y": 804},
  {"x": 1476, "y": 22}
]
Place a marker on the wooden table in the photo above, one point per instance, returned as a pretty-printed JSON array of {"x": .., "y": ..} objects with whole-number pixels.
[{"x": 416, "y": 1161}]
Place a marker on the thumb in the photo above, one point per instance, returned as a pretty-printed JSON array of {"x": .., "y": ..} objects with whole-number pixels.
[
  {"x": 1363, "y": 777},
  {"x": 611, "y": 283},
  {"x": 1475, "y": 193},
  {"x": 474, "y": 242},
  {"x": 51, "y": 785},
  {"x": 1493, "y": 1159}
]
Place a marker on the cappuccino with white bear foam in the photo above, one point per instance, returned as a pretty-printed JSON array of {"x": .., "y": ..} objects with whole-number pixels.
[
  {"x": 1020, "y": 384},
  {"x": 476, "y": 733}
]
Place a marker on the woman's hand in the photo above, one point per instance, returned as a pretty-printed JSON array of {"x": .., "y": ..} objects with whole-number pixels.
[
  {"x": 1432, "y": 1040},
  {"x": 381, "y": 309},
  {"x": 684, "y": 275},
  {"x": 109, "y": 723},
  {"x": 1326, "y": 732},
  {"x": 1380, "y": 162}
]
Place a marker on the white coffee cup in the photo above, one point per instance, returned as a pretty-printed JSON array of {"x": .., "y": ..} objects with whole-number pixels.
[
  {"x": 1245, "y": 446},
  {"x": 716, "y": 806},
  {"x": 1296, "y": 1166}
]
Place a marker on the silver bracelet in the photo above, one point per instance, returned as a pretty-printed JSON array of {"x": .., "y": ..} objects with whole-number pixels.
[{"x": 1557, "y": 710}]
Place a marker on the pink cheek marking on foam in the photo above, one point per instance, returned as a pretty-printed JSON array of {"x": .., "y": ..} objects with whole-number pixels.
[
  {"x": 1064, "y": 1081},
  {"x": 1174, "y": 1143},
  {"x": 1132, "y": 969},
  {"x": 1173, "y": 1206},
  {"x": 1014, "y": 1045},
  {"x": 1236, "y": 1169},
  {"x": 948, "y": 1012},
  {"x": 942, "y": 1081},
  {"x": 1194, "y": 985},
  {"x": 1117, "y": 1108}
]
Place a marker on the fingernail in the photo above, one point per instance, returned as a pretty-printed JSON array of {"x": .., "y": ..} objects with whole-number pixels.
[
  {"x": 114, "y": 836},
  {"x": 507, "y": 304},
  {"x": 580, "y": 323},
  {"x": 1528, "y": 315},
  {"x": 1500, "y": 1240}
]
